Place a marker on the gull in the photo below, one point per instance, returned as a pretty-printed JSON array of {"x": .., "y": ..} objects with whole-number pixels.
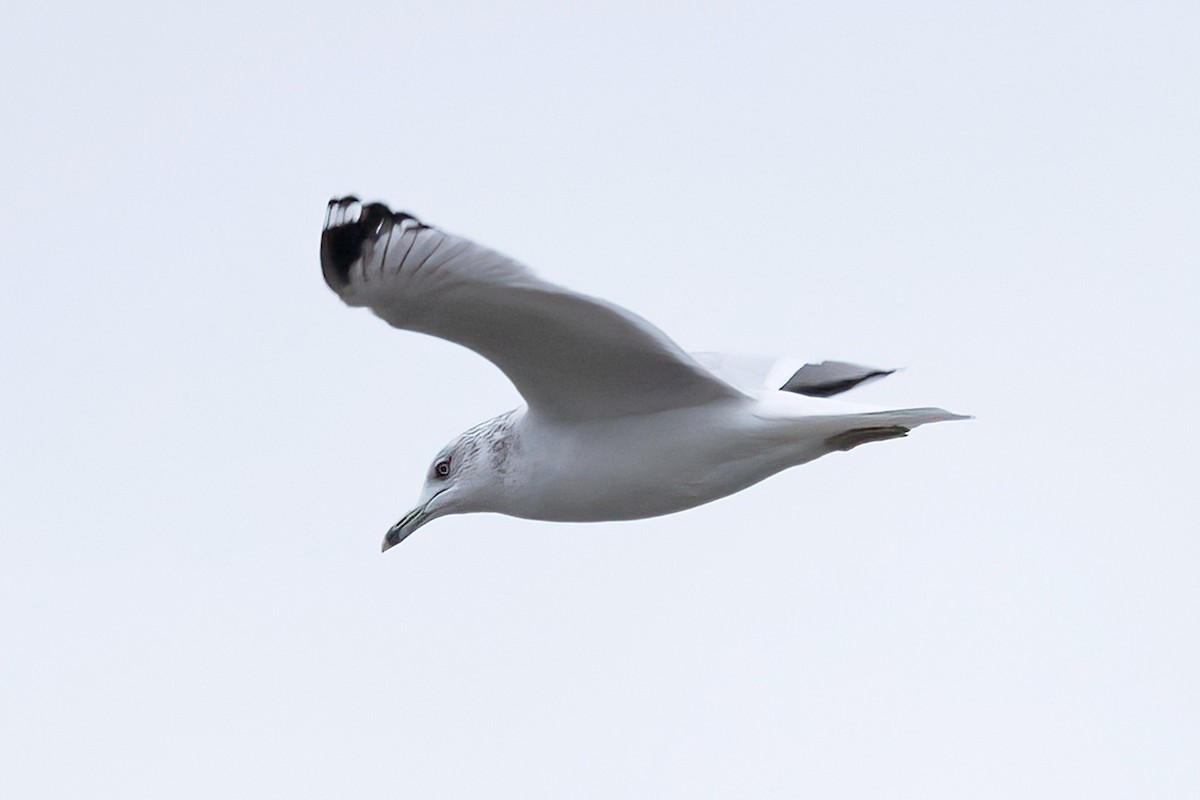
[{"x": 619, "y": 422}]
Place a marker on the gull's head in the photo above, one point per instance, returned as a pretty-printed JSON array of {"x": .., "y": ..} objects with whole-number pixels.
[{"x": 465, "y": 476}]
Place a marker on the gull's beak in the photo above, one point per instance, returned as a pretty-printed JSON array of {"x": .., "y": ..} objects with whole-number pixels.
[{"x": 409, "y": 523}]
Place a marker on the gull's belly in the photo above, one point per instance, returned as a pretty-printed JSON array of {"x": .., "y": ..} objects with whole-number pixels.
[{"x": 644, "y": 466}]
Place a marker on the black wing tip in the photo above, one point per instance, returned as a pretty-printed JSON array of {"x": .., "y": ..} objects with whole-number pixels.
[
  {"x": 350, "y": 210},
  {"x": 348, "y": 223},
  {"x": 830, "y": 378}
]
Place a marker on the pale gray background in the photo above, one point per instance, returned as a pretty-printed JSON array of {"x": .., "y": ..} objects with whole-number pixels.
[{"x": 202, "y": 447}]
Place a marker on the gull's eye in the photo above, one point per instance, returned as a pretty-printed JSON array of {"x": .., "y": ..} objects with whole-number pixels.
[{"x": 442, "y": 468}]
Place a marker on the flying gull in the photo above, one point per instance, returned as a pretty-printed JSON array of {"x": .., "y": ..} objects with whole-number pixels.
[{"x": 619, "y": 422}]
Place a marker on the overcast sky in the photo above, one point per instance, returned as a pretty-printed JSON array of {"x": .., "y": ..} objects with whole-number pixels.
[{"x": 202, "y": 447}]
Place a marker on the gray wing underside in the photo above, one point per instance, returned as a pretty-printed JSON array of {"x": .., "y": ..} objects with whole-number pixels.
[{"x": 569, "y": 355}]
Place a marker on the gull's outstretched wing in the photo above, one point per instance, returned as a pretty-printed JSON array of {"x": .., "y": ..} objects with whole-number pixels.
[{"x": 571, "y": 357}]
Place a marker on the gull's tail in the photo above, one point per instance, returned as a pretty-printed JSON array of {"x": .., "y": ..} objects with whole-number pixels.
[
  {"x": 879, "y": 426},
  {"x": 819, "y": 426}
]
